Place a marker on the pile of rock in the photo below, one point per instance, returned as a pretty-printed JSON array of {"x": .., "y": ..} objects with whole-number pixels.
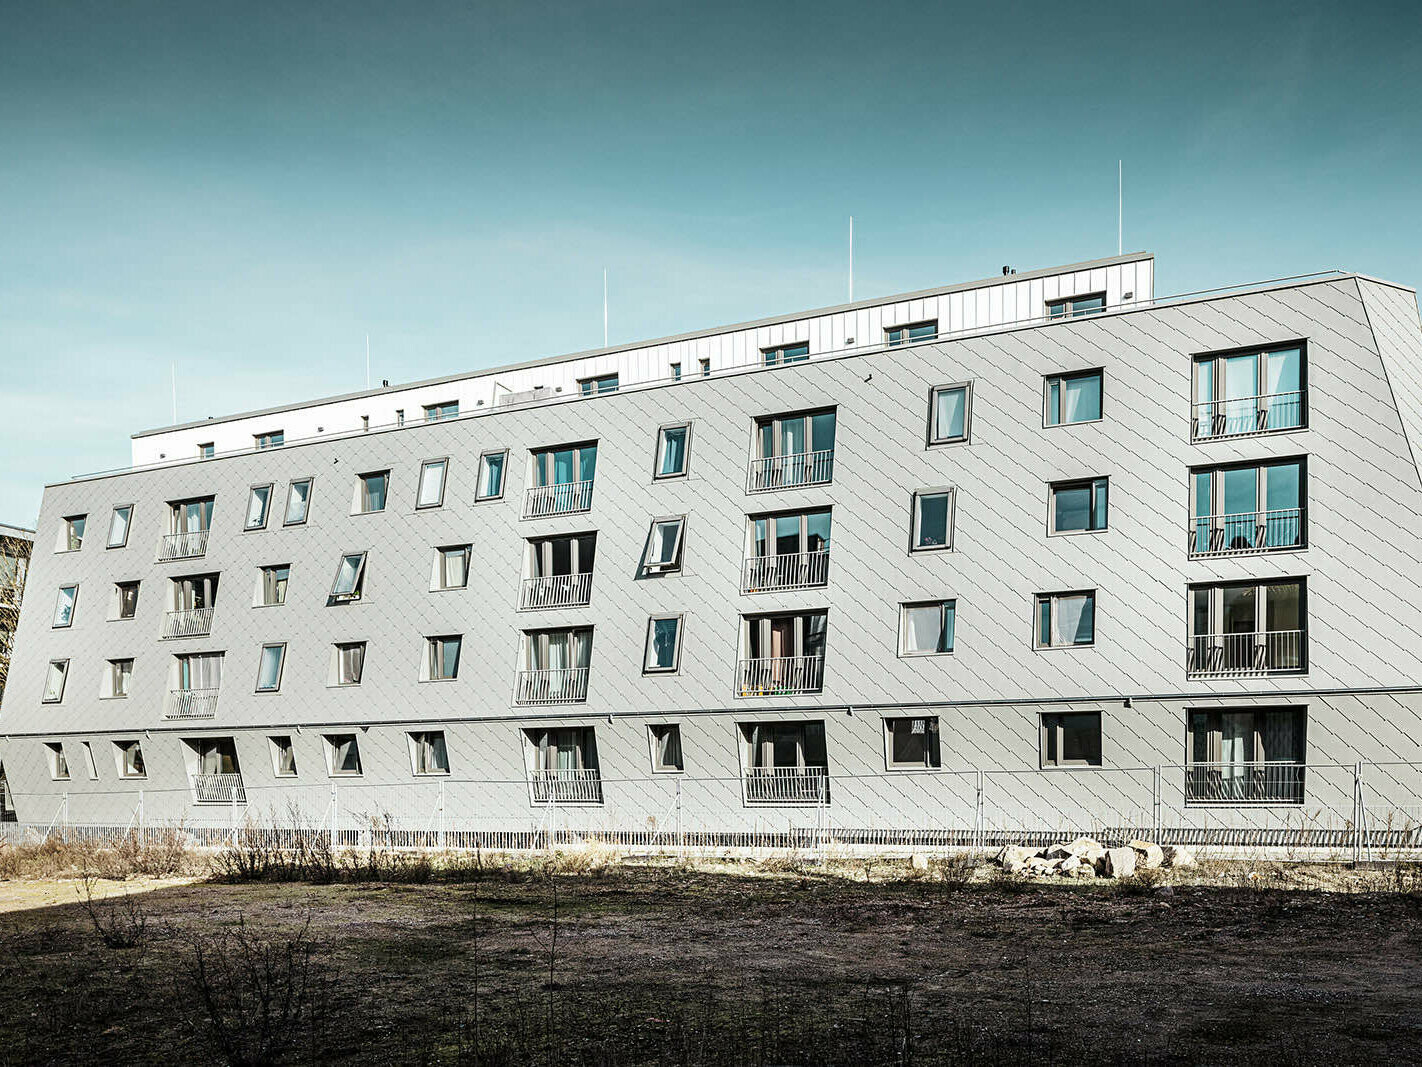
[{"x": 1088, "y": 858}]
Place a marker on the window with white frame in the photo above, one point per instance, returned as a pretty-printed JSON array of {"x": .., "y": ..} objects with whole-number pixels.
[
  {"x": 1071, "y": 739},
  {"x": 950, "y": 408},
  {"x": 283, "y": 756},
  {"x": 54, "y": 680},
  {"x": 91, "y": 765},
  {"x": 349, "y": 581},
  {"x": 442, "y": 657},
  {"x": 1066, "y": 619},
  {"x": 431, "y": 491},
  {"x": 64, "y": 606},
  {"x": 119, "y": 523},
  {"x": 446, "y": 410},
  {"x": 258, "y": 505},
  {"x": 71, "y": 533},
  {"x": 1072, "y": 398},
  {"x": 663, "y": 655},
  {"x": 926, "y": 629},
  {"x": 349, "y": 665},
  {"x": 673, "y": 448},
  {"x": 370, "y": 492},
  {"x": 911, "y": 743},
  {"x": 125, "y": 600},
  {"x": 491, "y": 475},
  {"x": 933, "y": 519},
  {"x": 666, "y": 748},
  {"x": 428, "y": 754},
  {"x": 1073, "y": 306},
  {"x": 342, "y": 755},
  {"x": 298, "y": 502},
  {"x": 58, "y": 765},
  {"x": 451, "y": 567},
  {"x": 914, "y": 331},
  {"x": 1078, "y": 506},
  {"x": 269, "y": 667},
  {"x": 129, "y": 755},
  {"x": 664, "y": 545},
  {"x": 272, "y": 582},
  {"x": 118, "y": 676}
]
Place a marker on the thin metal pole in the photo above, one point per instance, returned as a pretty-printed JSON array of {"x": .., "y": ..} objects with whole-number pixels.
[
  {"x": 851, "y": 259},
  {"x": 1120, "y": 202},
  {"x": 604, "y": 307},
  {"x": 1155, "y": 804},
  {"x": 367, "y": 361},
  {"x": 1357, "y": 813},
  {"x": 173, "y": 370}
]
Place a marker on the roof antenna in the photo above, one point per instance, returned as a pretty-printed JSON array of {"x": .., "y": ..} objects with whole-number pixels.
[
  {"x": 367, "y": 361},
  {"x": 851, "y": 259},
  {"x": 173, "y": 368},
  {"x": 604, "y": 307},
  {"x": 1120, "y": 185}
]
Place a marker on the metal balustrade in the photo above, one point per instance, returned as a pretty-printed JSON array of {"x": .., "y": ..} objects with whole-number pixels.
[
  {"x": 796, "y": 570},
  {"x": 567, "y": 786},
  {"x": 779, "y": 676},
  {"x": 191, "y": 704},
  {"x": 189, "y": 622},
  {"x": 219, "y": 789},
  {"x": 566, "y": 498},
  {"x": 557, "y": 591},
  {"x": 792, "y": 471},
  {"x": 560, "y": 685},
  {"x": 1242, "y": 654},
  {"x": 1246, "y": 532},
  {"x": 188, "y": 545},
  {"x": 1246, "y": 415},
  {"x": 787, "y": 785},
  {"x": 1265, "y": 782}
]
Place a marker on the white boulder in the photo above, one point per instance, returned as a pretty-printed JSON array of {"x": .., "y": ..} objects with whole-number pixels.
[
  {"x": 1178, "y": 856},
  {"x": 1148, "y": 854},
  {"x": 1120, "y": 863}
]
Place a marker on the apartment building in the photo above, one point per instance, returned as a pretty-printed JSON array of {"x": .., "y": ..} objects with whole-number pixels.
[
  {"x": 16, "y": 543},
  {"x": 1045, "y": 535}
]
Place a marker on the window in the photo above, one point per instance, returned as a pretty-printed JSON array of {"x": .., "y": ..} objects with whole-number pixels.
[
  {"x": 948, "y": 417},
  {"x": 283, "y": 756},
  {"x": 556, "y": 665},
  {"x": 663, "y": 645},
  {"x": 451, "y": 567},
  {"x": 399, "y": 416},
  {"x": 1249, "y": 392},
  {"x": 787, "y": 551},
  {"x": 927, "y": 629},
  {"x": 64, "y": 606},
  {"x": 298, "y": 502},
  {"x": 666, "y": 748},
  {"x": 563, "y": 765},
  {"x": 1248, "y": 628},
  {"x": 1071, "y": 307},
  {"x": 273, "y": 585},
  {"x": 785, "y": 762},
  {"x": 90, "y": 764},
  {"x": 350, "y": 662},
  {"x": 350, "y": 579},
  {"x": 917, "y": 331},
  {"x": 491, "y": 476},
  {"x": 198, "y": 671},
  {"x": 258, "y": 504},
  {"x": 270, "y": 439},
  {"x": 1245, "y": 756},
  {"x": 188, "y": 519},
  {"x": 673, "y": 443},
  {"x": 71, "y": 534},
  {"x": 1071, "y": 739},
  {"x": 432, "y": 474},
  {"x": 130, "y": 759},
  {"x": 933, "y": 519},
  {"x": 606, "y": 383},
  {"x": 118, "y": 525},
  {"x": 58, "y": 765},
  {"x": 796, "y": 353},
  {"x": 793, "y": 450},
  {"x": 269, "y": 668},
  {"x": 428, "y": 752},
  {"x": 912, "y": 744},
  {"x": 343, "y": 754},
  {"x": 562, "y": 480},
  {"x": 783, "y": 654},
  {"x": 1246, "y": 508},
  {"x": 54, "y": 681},
  {"x": 705, "y": 364},
  {"x": 207, "y": 450},
  {"x": 127, "y": 598},
  {"x": 663, "y": 553},
  {"x": 442, "y": 659},
  {"x": 559, "y": 571},
  {"x": 447, "y": 410},
  {"x": 118, "y": 677},
  {"x": 1072, "y": 398},
  {"x": 1078, "y": 507},
  {"x": 1066, "y": 619},
  {"x": 370, "y": 492},
  {"x": 676, "y": 372}
]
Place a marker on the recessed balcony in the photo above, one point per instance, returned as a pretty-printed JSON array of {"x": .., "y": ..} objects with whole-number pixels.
[
  {"x": 191, "y": 704},
  {"x": 1244, "y": 655},
  {"x": 780, "y": 676},
  {"x": 187, "y": 622},
  {"x": 795, "y": 570},
  {"x": 190, "y": 545},
  {"x": 558, "y": 685},
  {"x": 565, "y": 498},
  {"x": 793, "y": 471},
  {"x": 557, "y": 591}
]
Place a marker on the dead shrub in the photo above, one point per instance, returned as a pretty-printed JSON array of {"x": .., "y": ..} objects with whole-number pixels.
[{"x": 120, "y": 922}]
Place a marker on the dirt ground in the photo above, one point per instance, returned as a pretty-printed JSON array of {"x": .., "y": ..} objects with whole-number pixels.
[{"x": 647, "y": 964}]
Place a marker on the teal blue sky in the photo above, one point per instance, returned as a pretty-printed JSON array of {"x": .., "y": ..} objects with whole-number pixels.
[{"x": 248, "y": 190}]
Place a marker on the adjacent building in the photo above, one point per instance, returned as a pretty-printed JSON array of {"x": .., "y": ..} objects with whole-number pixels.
[{"x": 15, "y": 546}]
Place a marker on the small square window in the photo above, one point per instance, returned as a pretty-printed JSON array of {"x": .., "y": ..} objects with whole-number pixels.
[
  {"x": 705, "y": 365},
  {"x": 451, "y": 567},
  {"x": 491, "y": 475},
  {"x": 126, "y": 594},
  {"x": 1065, "y": 620},
  {"x": 54, "y": 680},
  {"x": 428, "y": 753},
  {"x": 274, "y": 581},
  {"x": 349, "y": 662},
  {"x": 64, "y": 605},
  {"x": 269, "y": 668},
  {"x": 912, "y": 743},
  {"x": 1078, "y": 507},
  {"x": 283, "y": 756},
  {"x": 927, "y": 629},
  {"x": 676, "y": 372},
  {"x": 1071, "y": 739},
  {"x": 130, "y": 759},
  {"x": 298, "y": 502},
  {"x": 343, "y": 755},
  {"x": 58, "y": 765},
  {"x": 1072, "y": 398},
  {"x": 663, "y": 655},
  {"x": 258, "y": 505},
  {"x": 442, "y": 657},
  {"x": 119, "y": 523},
  {"x": 663, "y": 553},
  {"x": 948, "y": 418},
  {"x": 673, "y": 446},
  {"x": 350, "y": 579},
  {"x": 370, "y": 492},
  {"x": 666, "y": 748},
  {"x": 431, "y": 492},
  {"x": 206, "y": 450},
  {"x": 933, "y": 520}
]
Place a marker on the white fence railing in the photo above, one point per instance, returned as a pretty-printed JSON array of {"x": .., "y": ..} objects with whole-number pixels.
[
  {"x": 219, "y": 789},
  {"x": 792, "y": 471},
  {"x": 565, "y": 499},
  {"x": 1246, "y": 415},
  {"x": 560, "y": 685},
  {"x": 787, "y": 785},
  {"x": 182, "y": 545},
  {"x": 1243, "y": 654},
  {"x": 191, "y": 704},
  {"x": 189, "y": 622},
  {"x": 798, "y": 570},
  {"x": 566, "y": 786},
  {"x": 1271, "y": 782},
  {"x": 1246, "y": 532},
  {"x": 557, "y": 591},
  {"x": 780, "y": 676}
]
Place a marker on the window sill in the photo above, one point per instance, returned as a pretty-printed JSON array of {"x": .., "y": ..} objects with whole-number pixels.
[
  {"x": 910, "y": 768},
  {"x": 424, "y": 681},
  {"x": 124, "y": 545},
  {"x": 948, "y": 441},
  {"x": 114, "y": 696},
  {"x": 1067, "y": 425},
  {"x": 1077, "y": 533},
  {"x": 920, "y": 549},
  {"x": 1070, "y": 767},
  {"x": 1062, "y": 648},
  {"x": 924, "y": 655}
]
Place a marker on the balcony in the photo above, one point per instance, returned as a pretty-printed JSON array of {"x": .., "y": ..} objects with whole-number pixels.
[
  {"x": 189, "y": 622},
  {"x": 191, "y": 704},
  {"x": 1244, "y": 655},
  {"x": 1280, "y": 782},
  {"x": 567, "y": 786},
  {"x": 557, "y": 591},
  {"x": 787, "y": 785},
  {"x": 797, "y": 570},
  {"x": 791, "y": 472},
  {"x": 567, "y": 498},
  {"x": 219, "y": 789},
  {"x": 779, "y": 676},
  {"x": 182, "y": 545},
  {"x": 560, "y": 685},
  {"x": 1247, "y": 415},
  {"x": 1246, "y": 533}
]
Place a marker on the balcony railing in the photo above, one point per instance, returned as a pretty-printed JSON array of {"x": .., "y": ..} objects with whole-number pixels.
[
  {"x": 567, "y": 786},
  {"x": 557, "y": 591},
  {"x": 1277, "y": 782},
  {"x": 565, "y": 499},
  {"x": 182, "y": 545},
  {"x": 191, "y": 704},
  {"x": 1246, "y": 532},
  {"x": 792, "y": 471},
  {"x": 561, "y": 685},
  {"x": 1245, "y": 654},
  {"x": 779, "y": 676},
  {"x": 1245, "y": 415},
  {"x": 219, "y": 789},
  {"x": 189, "y": 622},
  {"x": 795, "y": 570},
  {"x": 787, "y": 785}
]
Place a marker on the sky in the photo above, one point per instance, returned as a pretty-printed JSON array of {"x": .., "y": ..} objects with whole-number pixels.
[{"x": 246, "y": 191}]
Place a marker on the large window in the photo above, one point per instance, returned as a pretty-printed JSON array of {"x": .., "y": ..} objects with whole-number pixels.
[
  {"x": 926, "y": 629},
  {"x": 491, "y": 475},
  {"x": 782, "y": 654},
  {"x": 949, "y": 409},
  {"x": 563, "y": 765},
  {"x": 787, "y": 551},
  {"x": 370, "y": 493},
  {"x": 791, "y": 353},
  {"x": 1073, "y": 306},
  {"x": 912, "y": 743},
  {"x": 432, "y": 476},
  {"x": 1248, "y": 628},
  {"x": 793, "y": 450},
  {"x": 1249, "y": 392},
  {"x": 428, "y": 754},
  {"x": 1079, "y": 506},
  {"x": 916, "y": 331},
  {"x": 1246, "y": 508},
  {"x": 663, "y": 654},
  {"x": 562, "y": 480},
  {"x": 1071, "y": 739},
  {"x": 673, "y": 446},
  {"x": 350, "y": 579},
  {"x": 119, "y": 523},
  {"x": 664, "y": 545},
  {"x": 259, "y": 501},
  {"x": 559, "y": 571},
  {"x": 1245, "y": 756},
  {"x": 442, "y": 657},
  {"x": 298, "y": 502},
  {"x": 1066, "y": 619},
  {"x": 785, "y": 763},
  {"x": 269, "y": 668},
  {"x": 932, "y": 520},
  {"x": 1072, "y": 398},
  {"x": 556, "y": 664}
]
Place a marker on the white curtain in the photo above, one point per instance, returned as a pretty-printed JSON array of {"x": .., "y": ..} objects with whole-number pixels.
[
  {"x": 431, "y": 484},
  {"x": 922, "y": 628},
  {"x": 296, "y": 502},
  {"x": 1076, "y": 619},
  {"x": 118, "y": 526},
  {"x": 200, "y": 671}
]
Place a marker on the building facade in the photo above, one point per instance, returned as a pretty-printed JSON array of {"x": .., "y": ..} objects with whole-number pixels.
[
  {"x": 1083, "y": 557},
  {"x": 16, "y": 543}
]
